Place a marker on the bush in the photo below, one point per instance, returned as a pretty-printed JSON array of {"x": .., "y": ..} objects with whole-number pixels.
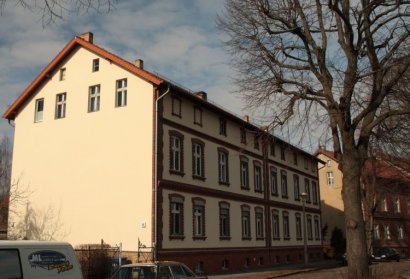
[{"x": 95, "y": 262}]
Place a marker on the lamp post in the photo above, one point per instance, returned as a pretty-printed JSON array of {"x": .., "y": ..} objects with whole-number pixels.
[{"x": 303, "y": 197}]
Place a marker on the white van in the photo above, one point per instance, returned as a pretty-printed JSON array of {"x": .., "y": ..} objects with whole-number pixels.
[{"x": 38, "y": 259}]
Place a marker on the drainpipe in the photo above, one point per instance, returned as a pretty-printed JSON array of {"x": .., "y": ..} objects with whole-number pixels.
[{"x": 156, "y": 175}]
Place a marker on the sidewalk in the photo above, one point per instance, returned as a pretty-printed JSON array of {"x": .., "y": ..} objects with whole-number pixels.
[{"x": 279, "y": 271}]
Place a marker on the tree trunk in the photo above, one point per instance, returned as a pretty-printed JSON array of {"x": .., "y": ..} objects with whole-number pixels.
[{"x": 357, "y": 257}]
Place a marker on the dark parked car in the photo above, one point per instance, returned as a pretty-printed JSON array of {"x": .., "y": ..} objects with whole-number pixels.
[
  {"x": 156, "y": 270},
  {"x": 386, "y": 254}
]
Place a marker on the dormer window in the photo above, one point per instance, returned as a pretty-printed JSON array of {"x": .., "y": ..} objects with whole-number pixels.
[
  {"x": 96, "y": 65},
  {"x": 198, "y": 116}
]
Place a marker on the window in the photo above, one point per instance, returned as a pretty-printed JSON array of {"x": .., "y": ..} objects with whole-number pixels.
[
  {"x": 295, "y": 158},
  {"x": 275, "y": 224},
  {"x": 62, "y": 74},
  {"x": 259, "y": 223},
  {"x": 176, "y": 148},
  {"x": 197, "y": 116},
  {"x": 282, "y": 153},
  {"x": 60, "y": 105},
  {"x": 298, "y": 223},
  {"x": 330, "y": 180},
  {"x": 96, "y": 65},
  {"x": 400, "y": 233},
  {"x": 38, "y": 116},
  {"x": 222, "y": 127},
  {"x": 284, "y": 183},
  {"x": 198, "y": 218},
  {"x": 286, "y": 230},
  {"x": 309, "y": 227},
  {"x": 329, "y": 163},
  {"x": 244, "y": 172},
  {"x": 225, "y": 264},
  {"x": 243, "y": 135},
  {"x": 224, "y": 222},
  {"x": 246, "y": 222},
  {"x": 176, "y": 220},
  {"x": 317, "y": 228},
  {"x": 384, "y": 204},
  {"x": 387, "y": 232},
  {"x": 198, "y": 159},
  {"x": 256, "y": 142},
  {"x": 94, "y": 98},
  {"x": 313, "y": 166},
  {"x": 273, "y": 181},
  {"x": 296, "y": 187},
  {"x": 397, "y": 205},
  {"x": 272, "y": 149},
  {"x": 257, "y": 176},
  {"x": 223, "y": 166},
  {"x": 176, "y": 107},
  {"x": 314, "y": 192},
  {"x": 11, "y": 265},
  {"x": 376, "y": 231},
  {"x": 306, "y": 163},
  {"x": 307, "y": 190},
  {"x": 121, "y": 93}
]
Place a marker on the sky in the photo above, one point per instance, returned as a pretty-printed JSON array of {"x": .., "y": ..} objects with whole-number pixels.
[{"x": 176, "y": 38}]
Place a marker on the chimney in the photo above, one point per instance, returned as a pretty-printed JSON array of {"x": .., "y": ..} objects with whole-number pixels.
[
  {"x": 139, "y": 63},
  {"x": 89, "y": 36},
  {"x": 246, "y": 118},
  {"x": 322, "y": 147},
  {"x": 201, "y": 94}
]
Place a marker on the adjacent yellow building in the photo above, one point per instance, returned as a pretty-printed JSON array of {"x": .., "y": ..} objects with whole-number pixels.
[{"x": 129, "y": 157}]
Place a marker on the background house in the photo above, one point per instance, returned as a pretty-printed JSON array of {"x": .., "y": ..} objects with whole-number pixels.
[
  {"x": 132, "y": 158},
  {"x": 386, "y": 201}
]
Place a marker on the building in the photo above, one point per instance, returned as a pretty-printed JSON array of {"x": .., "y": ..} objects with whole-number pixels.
[
  {"x": 388, "y": 189},
  {"x": 220, "y": 193},
  {"x": 331, "y": 202},
  {"x": 386, "y": 203}
]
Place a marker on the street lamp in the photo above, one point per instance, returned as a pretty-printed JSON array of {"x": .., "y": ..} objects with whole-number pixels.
[{"x": 303, "y": 197}]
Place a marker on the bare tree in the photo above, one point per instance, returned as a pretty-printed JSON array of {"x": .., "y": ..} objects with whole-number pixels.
[
  {"x": 333, "y": 62},
  {"x": 51, "y": 10}
]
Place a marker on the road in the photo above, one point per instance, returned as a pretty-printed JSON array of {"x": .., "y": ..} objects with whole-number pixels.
[{"x": 392, "y": 270}]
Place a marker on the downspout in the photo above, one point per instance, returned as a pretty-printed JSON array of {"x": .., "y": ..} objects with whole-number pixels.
[{"x": 156, "y": 176}]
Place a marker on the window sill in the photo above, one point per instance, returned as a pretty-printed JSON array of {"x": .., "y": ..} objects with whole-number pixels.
[
  {"x": 258, "y": 191},
  {"x": 274, "y": 194},
  {"x": 245, "y": 188},
  {"x": 247, "y": 238},
  {"x": 199, "y": 238},
  {"x": 177, "y": 115},
  {"x": 224, "y": 183},
  {"x": 197, "y": 177},
  {"x": 286, "y": 238},
  {"x": 224, "y": 238},
  {"x": 175, "y": 172},
  {"x": 260, "y": 238},
  {"x": 276, "y": 238},
  {"x": 176, "y": 237},
  {"x": 285, "y": 197},
  {"x": 299, "y": 238}
]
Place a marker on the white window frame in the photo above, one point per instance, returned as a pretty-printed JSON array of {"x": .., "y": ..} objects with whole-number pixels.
[
  {"x": 259, "y": 223},
  {"x": 258, "y": 177},
  {"x": 197, "y": 168},
  {"x": 275, "y": 224},
  {"x": 330, "y": 178},
  {"x": 94, "y": 98},
  {"x": 298, "y": 224},
  {"x": 176, "y": 153},
  {"x": 246, "y": 223},
  {"x": 121, "y": 92},
  {"x": 284, "y": 183},
  {"x": 286, "y": 225},
  {"x": 96, "y": 65},
  {"x": 274, "y": 181},
  {"x": 61, "y": 100},
  {"x": 39, "y": 110},
  {"x": 199, "y": 220},
  {"x": 400, "y": 232},
  {"x": 376, "y": 231},
  {"x": 223, "y": 166},
  {"x": 177, "y": 228},
  {"x": 244, "y": 173}
]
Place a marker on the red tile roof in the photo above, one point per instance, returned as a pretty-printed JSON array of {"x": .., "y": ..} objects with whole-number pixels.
[{"x": 76, "y": 42}]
